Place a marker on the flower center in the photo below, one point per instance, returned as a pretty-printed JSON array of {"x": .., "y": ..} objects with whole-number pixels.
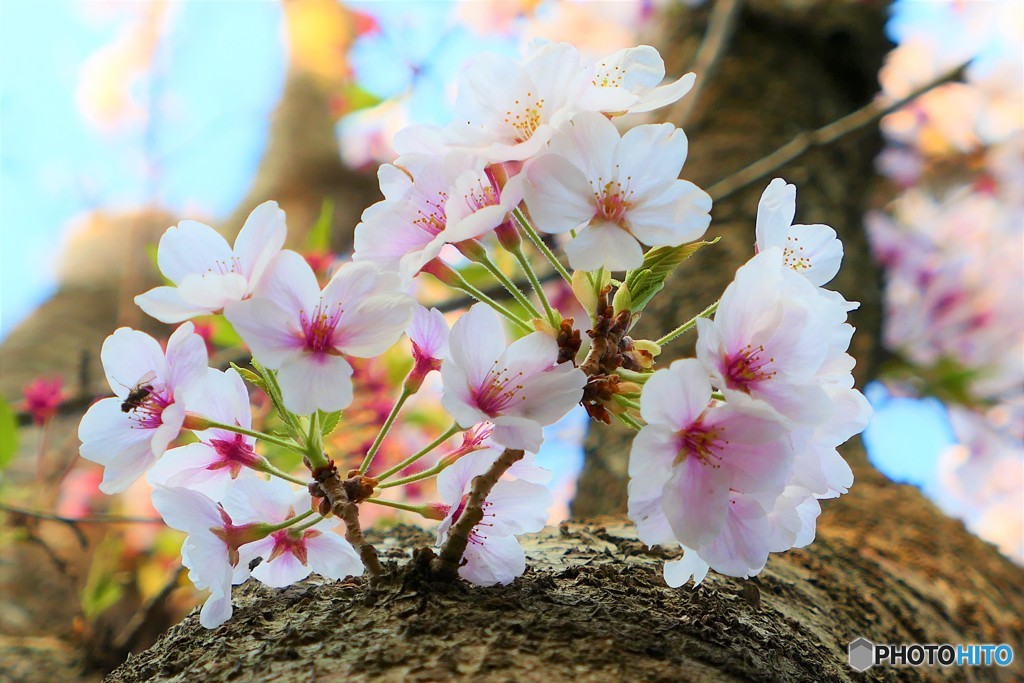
[
  {"x": 793, "y": 255},
  {"x": 482, "y": 194},
  {"x": 234, "y": 454},
  {"x": 497, "y": 391},
  {"x": 223, "y": 267},
  {"x": 475, "y": 536},
  {"x": 319, "y": 327},
  {"x": 526, "y": 119},
  {"x": 747, "y": 367},
  {"x": 701, "y": 441},
  {"x": 608, "y": 78},
  {"x": 431, "y": 215},
  {"x": 613, "y": 201},
  {"x": 286, "y": 541},
  {"x": 148, "y": 413}
]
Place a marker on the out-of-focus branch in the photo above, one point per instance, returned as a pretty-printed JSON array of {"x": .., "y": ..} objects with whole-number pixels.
[
  {"x": 867, "y": 115},
  {"x": 72, "y": 521}
]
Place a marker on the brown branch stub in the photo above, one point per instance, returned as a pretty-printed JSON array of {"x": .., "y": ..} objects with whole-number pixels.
[
  {"x": 446, "y": 564},
  {"x": 342, "y": 497}
]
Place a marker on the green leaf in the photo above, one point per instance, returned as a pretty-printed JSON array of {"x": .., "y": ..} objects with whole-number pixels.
[
  {"x": 250, "y": 377},
  {"x": 8, "y": 434},
  {"x": 319, "y": 237},
  {"x": 329, "y": 421},
  {"x": 649, "y": 279}
]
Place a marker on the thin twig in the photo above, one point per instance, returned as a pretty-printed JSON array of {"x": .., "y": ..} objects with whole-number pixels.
[
  {"x": 71, "y": 521},
  {"x": 126, "y": 638},
  {"x": 866, "y": 116},
  {"x": 721, "y": 25},
  {"x": 447, "y": 563}
]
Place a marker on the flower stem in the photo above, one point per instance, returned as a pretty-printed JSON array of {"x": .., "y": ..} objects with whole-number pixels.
[
  {"x": 258, "y": 435},
  {"x": 509, "y": 285},
  {"x": 453, "y": 430},
  {"x": 538, "y": 241},
  {"x": 689, "y": 324},
  {"x": 418, "y": 509},
  {"x": 315, "y": 443},
  {"x": 280, "y": 474},
  {"x": 630, "y": 422},
  {"x": 270, "y": 528},
  {"x": 629, "y": 403},
  {"x": 308, "y": 524},
  {"x": 480, "y": 296},
  {"x": 524, "y": 262},
  {"x": 385, "y": 428},
  {"x": 419, "y": 476}
]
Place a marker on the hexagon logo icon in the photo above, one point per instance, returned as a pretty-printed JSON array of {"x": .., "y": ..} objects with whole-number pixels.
[{"x": 862, "y": 654}]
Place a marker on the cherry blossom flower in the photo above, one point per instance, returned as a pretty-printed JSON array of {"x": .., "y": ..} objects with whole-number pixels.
[
  {"x": 513, "y": 507},
  {"x": 302, "y": 332},
  {"x": 210, "y": 551},
  {"x": 42, "y": 398},
  {"x": 518, "y": 387},
  {"x": 615, "y": 191},
  {"x": 774, "y": 339},
  {"x": 128, "y": 433},
  {"x": 219, "y": 456},
  {"x": 814, "y": 251},
  {"x": 629, "y": 81},
  {"x": 429, "y": 336},
  {"x": 693, "y": 454},
  {"x": 289, "y": 554},
  {"x": 509, "y": 110},
  {"x": 207, "y": 272}
]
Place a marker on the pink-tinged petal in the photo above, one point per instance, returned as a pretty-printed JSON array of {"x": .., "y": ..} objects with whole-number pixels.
[
  {"x": 129, "y": 355},
  {"x": 550, "y": 396},
  {"x": 374, "y": 324},
  {"x": 187, "y": 510},
  {"x": 189, "y": 467},
  {"x": 454, "y": 480},
  {"x": 532, "y": 354},
  {"x": 651, "y": 156},
  {"x": 429, "y": 331},
  {"x": 216, "y": 610},
  {"x": 676, "y": 396},
  {"x": 283, "y": 570},
  {"x": 312, "y": 382},
  {"x": 332, "y": 557},
  {"x": 742, "y": 547},
  {"x": 172, "y": 417},
  {"x": 527, "y": 469},
  {"x": 249, "y": 552},
  {"x": 588, "y": 142},
  {"x": 497, "y": 560},
  {"x": 224, "y": 399},
  {"x": 212, "y": 291},
  {"x": 106, "y": 431},
  {"x": 290, "y": 283},
  {"x": 557, "y": 194},
  {"x": 815, "y": 252},
  {"x": 775, "y": 214},
  {"x": 166, "y": 305},
  {"x": 518, "y": 432},
  {"x": 603, "y": 244},
  {"x": 675, "y": 215},
  {"x": 125, "y": 468},
  {"x": 665, "y": 95},
  {"x": 394, "y": 182},
  {"x": 259, "y": 240},
  {"x": 387, "y": 233},
  {"x": 696, "y": 501},
  {"x": 354, "y": 282},
  {"x": 187, "y": 362},
  {"x": 476, "y": 341},
  {"x": 271, "y": 332},
  {"x": 191, "y": 247},
  {"x": 457, "y": 397},
  {"x": 690, "y": 565},
  {"x": 516, "y": 507},
  {"x": 650, "y": 467},
  {"x": 260, "y": 500}
]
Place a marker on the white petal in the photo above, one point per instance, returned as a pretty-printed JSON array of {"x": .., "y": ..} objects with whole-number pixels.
[
  {"x": 775, "y": 213},
  {"x": 283, "y": 570},
  {"x": 650, "y": 156},
  {"x": 690, "y": 565},
  {"x": 604, "y": 245},
  {"x": 260, "y": 500},
  {"x": 374, "y": 324},
  {"x": 106, "y": 431},
  {"x": 517, "y": 507},
  {"x": 696, "y": 501},
  {"x": 498, "y": 560},
  {"x": 332, "y": 557},
  {"x": 315, "y": 381},
  {"x": 186, "y": 510},
  {"x": 127, "y": 356},
  {"x": 675, "y": 215},
  {"x": 190, "y": 247},
  {"x": 290, "y": 283},
  {"x": 817, "y": 250},
  {"x": 259, "y": 240},
  {"x": 676, "y": 396},
  {"x": 166, "y": 305},
  {"x": 665, "y": 95},
  {"x": 212, "y": 290},
  {"x": 650, "y": 467},
  {"x": 187, "y": 362},
  {"x": 557, "y": 194},
  {"x": 271, "y": 332},
  {"x": 518, "y": 432},
  {"x": 476, "y": 341}
]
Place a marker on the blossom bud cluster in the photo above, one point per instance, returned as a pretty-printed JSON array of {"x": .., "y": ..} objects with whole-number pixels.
[{"x": 534, "y": 151}]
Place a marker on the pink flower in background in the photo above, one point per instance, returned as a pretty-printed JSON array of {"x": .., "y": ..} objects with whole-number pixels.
[
  {"x": 518, "y": 387},
  {"x": 615, "y": 191},
  {"x": 208, "y": 273},
  {"x": 814, "y": 251},
  {"x": 288, "y": 555},
  {"x": 210, "y": 464},
  {"x": 693, "y": 454},
  {"x": 514, "y": 506},
  {"x": 302, "y": 332},
  {"x": 429, "y": 336},
  {"x": 42, "y": 398},
  {"x": 128, "y": 433},
  {"x": 630, "y": 82}
]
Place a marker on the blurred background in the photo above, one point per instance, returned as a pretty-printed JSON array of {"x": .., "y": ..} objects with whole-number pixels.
[{"x": 117, "y": 119}]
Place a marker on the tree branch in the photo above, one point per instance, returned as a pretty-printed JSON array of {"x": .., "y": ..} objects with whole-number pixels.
[
  {"x": 866, "y": 116},
  {"x": 343, "y": 498},
  {"x": 447, "y": 563}
]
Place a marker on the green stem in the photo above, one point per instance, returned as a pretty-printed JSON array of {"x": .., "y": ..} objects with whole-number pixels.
[
  {"x": 259, "y": 435},
  {"x": 419, "y": 476},
  {"x": 480, "y": 296},
  {"x": 689, "y": 324},
  {"x": 312, "y": 522},
  {"x": 418, "y": 509},
  {"x": 633, "y": 376},
  {"x": 453, "y": 430},
  {"x": 509, "y": 286},
  {"x": 288, "y": 522},
  {"x": 385, "y": 428},
  {"x": 524, "y": 262},
  {"x": 273, "y": 471},
  {"x": 535, "y": 237},
  {"x": 629, "y": 403},
  {"x": 630, "y": 422},
  {"x": 315, "y": 443},
  {"x": 275, "y": 397}
]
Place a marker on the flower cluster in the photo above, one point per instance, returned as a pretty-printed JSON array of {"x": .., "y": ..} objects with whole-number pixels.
[{"x": 738, "y": 445}]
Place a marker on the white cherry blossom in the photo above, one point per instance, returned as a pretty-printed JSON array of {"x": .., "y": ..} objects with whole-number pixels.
[
  {"x": 206, "y": 271},
  {"x": 814, "y": 251},
  {"x": 304, "y": 333},
  {"x": 630, "y": 81},
  {"x": 126, "y": 434},
  {"x": 519, "y": 387},
  {"x": 616, "y": 192}
]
